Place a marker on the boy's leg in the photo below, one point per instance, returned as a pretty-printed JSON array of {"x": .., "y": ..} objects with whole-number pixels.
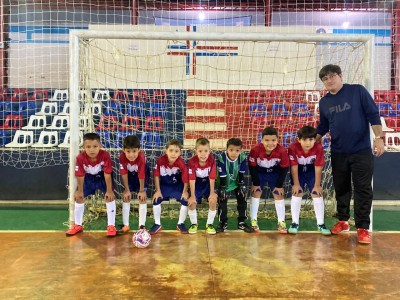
[
  {"x": 142, "y": 215},
  {"x": 183, "y": 212},
  {"x": 157, "y": 216},
  {"x": 222, "y": 213},
  {"x": 111, "y": 212}
]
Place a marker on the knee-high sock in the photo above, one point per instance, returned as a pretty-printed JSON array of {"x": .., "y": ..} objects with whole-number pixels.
[
  {"x": 280, "y": 209},
  {"x": 142, "y": 214},
  {"x": 111, "y": 212},
  {"x": 79, "y": 210},
  {"x": 211, "y": 216},
  {"x": 319, "y": 209},
  {"x": 126, "y": 207},
  {"x": 295, "y": 206},
  {"x": 193, "y": 216},
  {"x": 182, "y": 214},
  {"x": 157, "y": 214},
  {"x": 254, "y": 204}
]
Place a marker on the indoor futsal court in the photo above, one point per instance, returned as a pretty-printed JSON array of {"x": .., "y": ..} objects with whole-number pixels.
[{"x": 155, "y": 71}]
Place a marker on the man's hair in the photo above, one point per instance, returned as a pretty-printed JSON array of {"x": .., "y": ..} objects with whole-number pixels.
[
  {"x": 269, "y": 131},
  {"x": 173, "y": 142},
  {"x": 131, "y": 142},
  {"x": 202, "y": 142},
  {"x": 329, "y": 69},
  {"x": 91, "y": 136},
  {"x": 234, "y": 142},
  {"x": 307, "y": 132}
]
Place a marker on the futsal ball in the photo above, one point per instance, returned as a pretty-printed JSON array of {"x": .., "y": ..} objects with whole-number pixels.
[{"x": 141, "y": 238}]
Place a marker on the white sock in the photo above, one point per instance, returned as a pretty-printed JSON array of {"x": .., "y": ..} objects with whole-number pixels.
[
  {"x": 280, "y": 209},
  {"x": 157, "y": 214},
  {"x": 254, "y": 204},
  {"x": 295, "y": 206},
  {"x": 79, "y": 210},
  {"x": 319, "y": 209},
  {"x": 111, "y": 208},
  {"x": 211, "y": 216},
  {"x": 182, "y": 214},
  {"x": 126, "y": 207},
  {"x": 193, "y": 216},
  {"x": 142, "y": 214}
]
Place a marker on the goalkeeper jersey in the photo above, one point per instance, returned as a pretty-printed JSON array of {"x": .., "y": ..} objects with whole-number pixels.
[{"x": 230, "y": 169}]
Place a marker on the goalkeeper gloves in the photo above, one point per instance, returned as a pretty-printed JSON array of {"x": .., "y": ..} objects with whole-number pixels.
[{"x": 222, "y": 193}]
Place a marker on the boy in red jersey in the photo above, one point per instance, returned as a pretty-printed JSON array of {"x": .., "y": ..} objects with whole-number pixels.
[
  {"x": 171, "y": 181},
  {"x": 134, "y": 178},
  {"x": 306, "y": 161},
  {"x": 93, "y": 172},
  {"x": 268, "y": 164},
  {"x": 202, "y": 175}
]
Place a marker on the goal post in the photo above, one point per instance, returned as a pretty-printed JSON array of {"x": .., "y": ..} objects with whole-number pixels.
[{"x": 79, "y": 56}]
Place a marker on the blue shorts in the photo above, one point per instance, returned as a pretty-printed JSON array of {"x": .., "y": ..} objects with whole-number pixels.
[
  {"x": 203, "y": 193},
  {"x": 134, "y": 184},
  {"x": 307, "y": 180},
  {"x": 92, "y": 183},
  {"x": 169, "y": 192},
  {"x": 268, "y": 180}
]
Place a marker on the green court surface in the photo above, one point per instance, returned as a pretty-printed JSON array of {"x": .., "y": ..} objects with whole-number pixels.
[{"x": 55, "y": 218}]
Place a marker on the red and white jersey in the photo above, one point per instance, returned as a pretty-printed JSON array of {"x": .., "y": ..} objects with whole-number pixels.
[
  {"x": 171, "y": 174},
  {"x": 268, "y": 163},
  {"x": 138, "y": 166},
  {"x": 208, "y": 170},
  {"x": 314, "y": 157},
  {"x": 84, "y": 165}
]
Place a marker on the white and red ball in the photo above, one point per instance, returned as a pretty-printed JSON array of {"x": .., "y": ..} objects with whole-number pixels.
[{"x": 141, "y": 238}]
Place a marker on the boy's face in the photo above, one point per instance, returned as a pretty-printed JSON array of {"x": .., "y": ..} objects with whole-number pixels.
[
  {"x": 233, "y": 151},
  {"x": 173, "y": 152},
  {"x": 91, "y": 148},
  {"x": 131, "y": 153},
  {"x": 307, "y": 143},
  {"x": 202, "y": 152},
  {"x": 270, "y": 142},
  {"x": 333, "y": 82}
]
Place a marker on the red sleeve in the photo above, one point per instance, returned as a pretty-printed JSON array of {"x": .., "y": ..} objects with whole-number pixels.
[
  {"x": 122, "y": 164},
  {"x": 191, "y": 169},
  {"x": 292, "y": 155},
  {"x": 213, "y": 170},
  {"x": 284, "y": 158},
  {"x": 141, "y": 166},
  {"x": 107, "y": 163},
  {"x": 79, "y": 170},
  {"x": 156, "y": 171},
  {"x": 185, "y": 175},
  {"x": 320, "y": 159},
  {"x": 252, "y": 158}
]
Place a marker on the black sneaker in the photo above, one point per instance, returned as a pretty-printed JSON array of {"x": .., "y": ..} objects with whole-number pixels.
[
  {"x": 222, "y": 227},
  {"x": 245, "y": 227}
]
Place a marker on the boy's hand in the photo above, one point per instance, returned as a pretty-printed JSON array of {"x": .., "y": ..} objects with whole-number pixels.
[
  {"x": 191, "y": 200},
  {"x": 213, "y": 197},
  {"x": 157, "y": 195},
  {"x": 185, "y": 195},
  {"x": 222, "y": 193},
  {"x": 317, "y": 190},
  {"x": 127, "y": 195},
  {"x": 243, "y": 191},
  {"x": 109, "y": 196},
  {"x": 296, "y": 190},
  {"x": 142, "y": 197},
  {"x": 278, "y": 191},
  {"x": 78, "y": 196}
]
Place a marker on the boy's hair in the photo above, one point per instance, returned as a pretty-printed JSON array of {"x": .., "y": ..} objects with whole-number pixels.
[
  {"x": 130, "y": 142},
  {"x": 329, "y": 69},
  {"x": 234, "y": 142},
  {"x": 91, "y": 136},
  {"x": 269, "y": 131},
  {"x": 307, "y": 132},
  {"x": 202, "y": 142},
  {"x": 173, "y": 142}
]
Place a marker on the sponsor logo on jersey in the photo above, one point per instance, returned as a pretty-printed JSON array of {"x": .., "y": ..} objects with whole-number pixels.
[
  {"x": 203, "y": 173},
  {"x": 169, "y": 171},
  {"x": 265, "y": 163},
  {"x": 93, "y": 170},
  {"x": 132, "y": 168}
]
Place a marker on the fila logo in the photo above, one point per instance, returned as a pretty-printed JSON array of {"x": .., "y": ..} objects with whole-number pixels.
[{"x": 338, "y": 108}]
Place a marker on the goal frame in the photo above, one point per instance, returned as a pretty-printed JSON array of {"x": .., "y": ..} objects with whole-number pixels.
[{"x": 77, "y": 36}]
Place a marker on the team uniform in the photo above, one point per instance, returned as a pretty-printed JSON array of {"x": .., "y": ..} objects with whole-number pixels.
[
  {"x": 268, "y": 169},
  {"x": 172, "y": 180},
  {"x": 306, "y": 163}
]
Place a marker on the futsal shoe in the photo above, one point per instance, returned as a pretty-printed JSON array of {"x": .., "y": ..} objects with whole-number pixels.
[
  {"x": 322, "y": 228},
  {"x": 156, "y": 228},
  {"x": 246, "y": 228},
  {"x": 222, "y": 227},
  {"x": 282, "y": 227},
  {"x": 254, "y": 224},
  {"x": 210, "y": 229},
  {"x": 340, "y": 226},
  {"x": 123, "y": 229},
  {"x": 111, "y": 231},
  {"x": 363, "y": 236},
  {"x": 193, "y": 229},
  {"x": 181, "y": 228},
  {"x": 74, "y": 230},
  {"x": 294, "y": 227}
]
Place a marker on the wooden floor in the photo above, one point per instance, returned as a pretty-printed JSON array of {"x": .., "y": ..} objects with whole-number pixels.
[{"x": 231, "y": 265}]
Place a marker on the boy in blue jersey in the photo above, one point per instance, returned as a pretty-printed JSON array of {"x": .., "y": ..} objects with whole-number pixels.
[
  {"x": 171, "y": 181},
  {"x": 202, "y": 175},
  {"x": 306, "y": 163},
  {"x": 231, "y": 168},
  {"x": 347, "y": 111},
  {"x": 93, "y": 171},
  {"x": 268, "y": 165}
]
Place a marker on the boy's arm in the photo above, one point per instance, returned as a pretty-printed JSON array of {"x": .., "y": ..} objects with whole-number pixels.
[
  {"x": 109, "y": 193},
  {"x": 296, "y": 188},
  {"x": 126, "y": 195},
  {"x": 192, "y": 197},
  {"x": 317, "y": 190},
  {"x": 142, "y": 197},
  {"x": 157, "y": 193},
  {"x": 79, "y": 191},
  {"x": 185, "y": 193}
]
